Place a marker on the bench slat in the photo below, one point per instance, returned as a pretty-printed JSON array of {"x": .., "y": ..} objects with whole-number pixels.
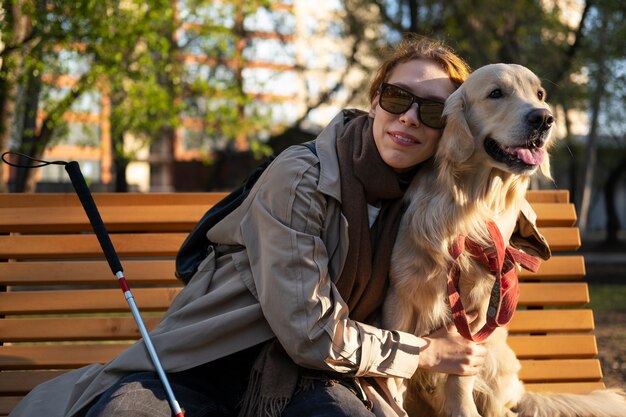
[
  {"x": 547, "y": 196},
  {"x": 7, "y": 404},
  {"x": 84, "y": 301},
  {"x": 55, "y": 356},
  {"x": 72, "y": 328},
  {"x": 162, "y": 272},
  {"x": 553, "y": 294},
  {"x": 554, "y": 347},
  {"x": 152, "y": 272},
  {"x": 20, "y": 382},
  {"x": 165, "y": 244},
  {"x": 561, "y": 238},
  {"x": 116, "y": 218},
  {"x": 560, "y": 267},
  {"x": 42, "y": 357},
  {"x": 550, "y": 321},
  {"x": 124, "y": 328},
  {"x": 572, "y": 387},
  {"x": 87, "y": 246},
  {"x": 555, "y": 214},
  {"x": 158, "y": 299},
  {"x": 113, "y": 199},
  {"x": 560, "y": 370},
  {"x": 174, "y": 218}
]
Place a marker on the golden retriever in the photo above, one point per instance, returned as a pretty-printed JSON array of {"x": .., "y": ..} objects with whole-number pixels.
[{"x": 498, "y": 129}]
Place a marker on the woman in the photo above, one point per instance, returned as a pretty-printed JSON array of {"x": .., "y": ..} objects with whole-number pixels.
[{"x": 283, "y": 311}]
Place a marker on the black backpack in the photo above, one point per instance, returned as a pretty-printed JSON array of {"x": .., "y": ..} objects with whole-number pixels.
[{"x": 194, "y": 248}]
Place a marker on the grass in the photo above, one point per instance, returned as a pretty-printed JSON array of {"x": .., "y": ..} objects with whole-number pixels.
[{"x": 607, "y": 297}]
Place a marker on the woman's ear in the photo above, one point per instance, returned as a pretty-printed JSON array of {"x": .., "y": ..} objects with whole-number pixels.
[
  {"x": 373, "y": 106},
  {"x": 457, "y": 141}
]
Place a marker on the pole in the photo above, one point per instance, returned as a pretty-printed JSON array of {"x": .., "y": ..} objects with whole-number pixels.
[{"x": 89, "y": 205}]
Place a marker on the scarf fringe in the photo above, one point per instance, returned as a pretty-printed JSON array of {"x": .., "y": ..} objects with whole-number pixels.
[{"x": 254, "y": 404}]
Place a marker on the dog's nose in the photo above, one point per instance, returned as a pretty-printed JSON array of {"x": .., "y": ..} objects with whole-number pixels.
[{"x": 540, "y": 119}]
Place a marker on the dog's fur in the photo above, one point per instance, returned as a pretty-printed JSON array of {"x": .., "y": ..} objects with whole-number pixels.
[{"x": 467, "y": 184}]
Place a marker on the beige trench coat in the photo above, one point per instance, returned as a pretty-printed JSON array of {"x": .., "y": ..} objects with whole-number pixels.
[{"x": 293, "y": 241}]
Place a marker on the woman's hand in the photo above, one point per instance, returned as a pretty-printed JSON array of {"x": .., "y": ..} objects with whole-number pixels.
[{"x": 448, "y": 352}]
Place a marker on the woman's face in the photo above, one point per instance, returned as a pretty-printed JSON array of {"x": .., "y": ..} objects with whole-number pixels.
[{"x": 402, "y": 140}]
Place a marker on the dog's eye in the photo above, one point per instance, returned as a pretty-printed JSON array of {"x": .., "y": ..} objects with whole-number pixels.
[
  {"x": 540, "y": 94},
  {"x": 497, "y": 93}
]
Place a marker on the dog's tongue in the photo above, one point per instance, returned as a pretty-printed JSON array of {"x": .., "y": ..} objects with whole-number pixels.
[{"x": 532, "y": 156}]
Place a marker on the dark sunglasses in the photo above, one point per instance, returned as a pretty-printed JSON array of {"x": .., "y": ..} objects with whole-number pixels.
[{"x": 396, "y": 100}]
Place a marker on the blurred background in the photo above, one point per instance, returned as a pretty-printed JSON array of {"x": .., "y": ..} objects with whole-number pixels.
[{"x": 190, "y": 95}]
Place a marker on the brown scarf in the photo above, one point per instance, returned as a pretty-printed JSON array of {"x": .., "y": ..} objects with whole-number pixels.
[{"x": 365, "y": 178}]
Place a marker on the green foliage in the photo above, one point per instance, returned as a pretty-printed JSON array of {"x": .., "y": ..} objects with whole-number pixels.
[{"x": 134, "y": 52}]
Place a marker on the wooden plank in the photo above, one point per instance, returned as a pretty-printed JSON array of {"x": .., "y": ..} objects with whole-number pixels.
[
  {"x": 546, "y": 321},
  {"x": 20, "y": 382},
  {"x": 547, "y": 196},
  {"x": 555, "y": 214},
  {"x": 157, "y": 299},
  {"x": 559, "y": 267},
  {"x": 553, "y": 294},
  {"x": 87, "y": 246},
  {"x": 162, "y": 272},
  {"x": 72, "y": 329},
  {"x": 178, "y": 198},
  {"x": 554, "y": 347},
  {"x": 561, "y": 238},
  {"x": 141, "y": 272},
  {"x": 158, "y": 218},
  {"x": 560, "y": 370},
  {"x": 7, "y": 404},
  {"x": 107, "y": 199},
  {"x": 571, "y": 387},
  {"x": 56, "y": 356},
  {"x": 84, "y": 301}
]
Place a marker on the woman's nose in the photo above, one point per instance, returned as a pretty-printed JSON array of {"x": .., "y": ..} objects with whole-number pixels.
[{"x": 410, "y": 116}]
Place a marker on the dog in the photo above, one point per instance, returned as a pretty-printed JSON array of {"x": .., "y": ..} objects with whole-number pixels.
[{"x": 497, "y": 135}]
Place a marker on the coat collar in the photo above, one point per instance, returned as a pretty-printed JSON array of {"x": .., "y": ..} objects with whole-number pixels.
[{"x": 326, "y": 145}]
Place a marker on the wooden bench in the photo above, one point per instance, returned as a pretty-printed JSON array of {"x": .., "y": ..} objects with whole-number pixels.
[{"x": 61, "y": 308}]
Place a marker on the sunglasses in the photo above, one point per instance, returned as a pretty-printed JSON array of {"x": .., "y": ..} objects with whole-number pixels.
[{"x": 396, "y": 100}]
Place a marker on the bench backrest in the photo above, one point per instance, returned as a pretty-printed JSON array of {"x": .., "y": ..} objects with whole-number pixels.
[{"x": 61, "y": 308}]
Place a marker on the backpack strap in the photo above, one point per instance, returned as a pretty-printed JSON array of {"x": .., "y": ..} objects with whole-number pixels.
[{"x": 311, "y": 145}]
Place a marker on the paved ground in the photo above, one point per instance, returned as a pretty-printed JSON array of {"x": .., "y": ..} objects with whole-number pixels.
[
  {"x": 606, "y": 266},
  {"x": 611, "y": 338}
]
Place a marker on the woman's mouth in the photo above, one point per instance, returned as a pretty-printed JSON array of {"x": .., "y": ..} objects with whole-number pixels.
[{"x": 402, "y": 138}]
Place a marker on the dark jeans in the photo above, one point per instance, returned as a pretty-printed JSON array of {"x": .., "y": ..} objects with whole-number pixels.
[{"x": 216, "y": 389}]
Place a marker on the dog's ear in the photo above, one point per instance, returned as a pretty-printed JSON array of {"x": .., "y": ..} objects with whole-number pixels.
[{"x": 457, "y": 142}]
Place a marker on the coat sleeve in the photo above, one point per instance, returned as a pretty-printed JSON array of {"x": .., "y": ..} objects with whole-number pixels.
[{"x": 282, "y": 231}]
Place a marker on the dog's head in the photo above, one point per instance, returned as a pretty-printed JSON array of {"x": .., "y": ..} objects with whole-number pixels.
[{"x": 499, "y": 115}]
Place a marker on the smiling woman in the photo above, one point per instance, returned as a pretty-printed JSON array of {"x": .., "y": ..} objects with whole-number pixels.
[{"x": 291, "y": 291}]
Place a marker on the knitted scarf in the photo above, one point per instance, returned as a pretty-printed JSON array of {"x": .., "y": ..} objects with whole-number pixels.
[{"x": 365, "y": 178}]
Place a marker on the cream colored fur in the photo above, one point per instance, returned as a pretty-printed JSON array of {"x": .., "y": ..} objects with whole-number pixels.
[{"x": 461, "y": 189}]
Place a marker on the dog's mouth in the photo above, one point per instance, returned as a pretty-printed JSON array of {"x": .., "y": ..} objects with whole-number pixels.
[{"x": 517, "y": 158}]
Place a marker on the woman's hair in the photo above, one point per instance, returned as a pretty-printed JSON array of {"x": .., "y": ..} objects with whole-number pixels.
[{"x": 412, "y": 47}]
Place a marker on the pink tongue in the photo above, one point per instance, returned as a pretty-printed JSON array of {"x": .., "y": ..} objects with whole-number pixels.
[{"x": 532, "y": 156}]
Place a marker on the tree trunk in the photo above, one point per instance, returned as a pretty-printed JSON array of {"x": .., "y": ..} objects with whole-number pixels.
[
  {"x": 11, "y": 67},
  {"x": 30, "y": 145},
  {"x": 121, "y": 182},
  {"x": 610, "y": 189},
  {"x": 590, "y": 159}
]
